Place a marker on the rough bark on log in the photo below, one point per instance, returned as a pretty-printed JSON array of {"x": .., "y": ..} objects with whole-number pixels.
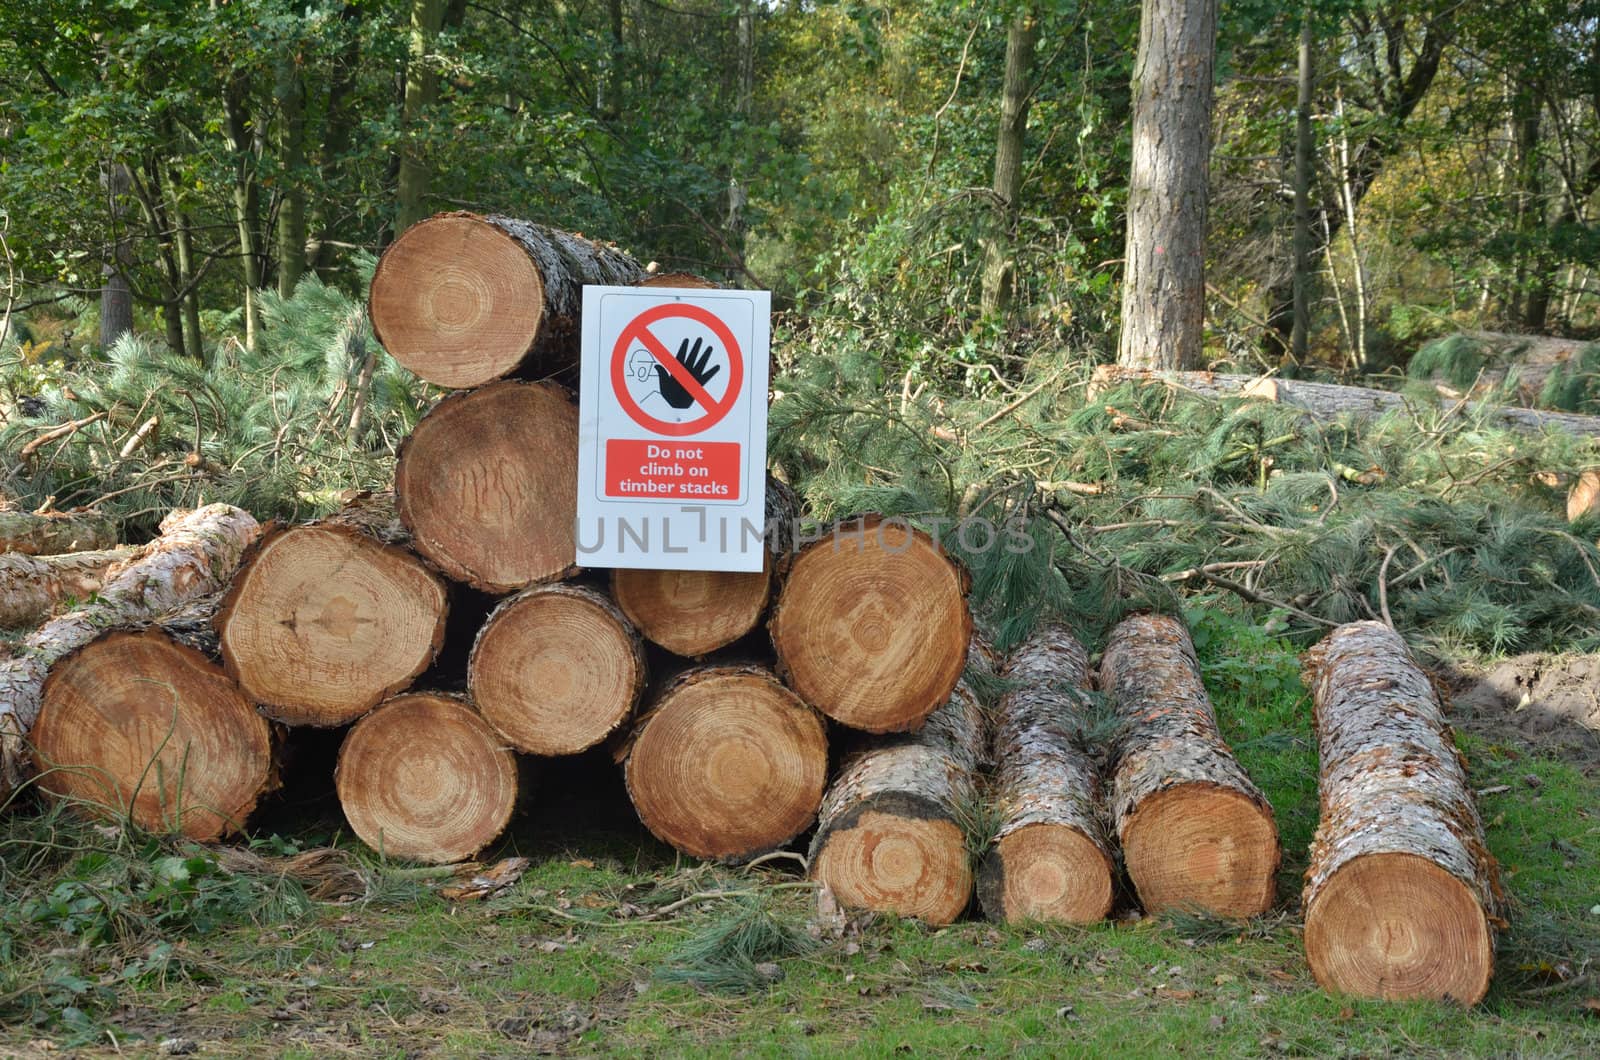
[
  {"x": 1195, "y": 831},
  {"x": 680, "y": 279},
  {"x": 137, "y": 725},
  {"x": 1050, "y": 860},
  {"x": 1401, "y": 895},
  {"x": 32, "y": 588},
  {"x": 871, "y": 626},
  {"x": 424, "y": 778},
  {"x": 462, "y": 300},
  {"x": 727, "y": 764},
  {"x": 56, "y": 532},
  {"x": 891, "y": 833},
  {"x": 556, "y": 669},
  {"x": 195, "y": 556},
  {"x": 487, "y": 485},
  {"x": 1326, "y": 401},
  {"x": 325, "y": 621},
  {"x": 1585, "y": 495}
]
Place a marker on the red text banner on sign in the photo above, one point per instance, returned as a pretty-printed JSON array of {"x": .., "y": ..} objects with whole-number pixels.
[{"x": 670, "y": 471}]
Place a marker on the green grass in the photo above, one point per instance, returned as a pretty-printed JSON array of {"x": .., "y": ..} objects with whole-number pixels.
[{"x": 564, "y": 962}]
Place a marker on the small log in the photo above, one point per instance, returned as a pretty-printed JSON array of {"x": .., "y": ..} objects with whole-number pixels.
[
  {"x": 891, "y": 834},
  {"x": 325, "y": 621},
  {"x": 32, "y": 588},
  {"x": 195, "y": 556},
  {"x": 556, "y": 669},
  {"x": 1195, "y": 831},
  {"x": 487, "y": 485},
  {"x": 424, "y": 778},
  {"x": 137, "y": 725},
  {"x": 56, "y": 532},
  {"x": 1401, "y": 895},
  {"x": 1050, "y": 860},
  {"x": 871, "y": 625},
  {"x": 462, "y": 300},
  {"x": 727, "y": 764},
  {"x": 1584, "y": 496},
  {"x": 686, "y": 280}
]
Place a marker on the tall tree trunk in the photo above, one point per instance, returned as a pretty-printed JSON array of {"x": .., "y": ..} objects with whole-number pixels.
[
  {"x": 1531, "y": 295},
  {"x": 610, "y": 102},
  {"x": 422, "y": 88},
  {"x": 1304, "y": 173},
  {"x": 246, "y": 199},
  {"x": 1163, "y": 292},
  {"x": 338, "y": 122},
  {"x": 290, "y": 89},
  {"x": 999, "y": 270},
  {"x": 116, "y": 297}
]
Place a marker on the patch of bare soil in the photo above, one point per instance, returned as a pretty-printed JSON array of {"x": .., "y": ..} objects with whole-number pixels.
[{"x": 1548, "y": 702}]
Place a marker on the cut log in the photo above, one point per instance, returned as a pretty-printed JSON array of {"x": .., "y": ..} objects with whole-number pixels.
[
  {"x": 892, "y": 831},
  {"x": 323, "y": 622},
  {"x": 136, "y": 725},
  {"x": 1050, "y": 860},
  {"x": 727, "y": 764},
  {"x": 462, "y": 300},
  {"x": 686, "y": 280},
  {"x": 1585, "y": 495},
  {"x": 195, "y": 556},
  {"x": 871, "y": 625},
  {"x": 424, "y": 778},
  {"x": 1493, "y": 357},
  {"x": 487, "y": 485},
  {"x": 1329, "y": 401},
  {"x": 56, "y": 532},
  {"x": 556, "y": 669},
  {"x": 32, "y": 588},
  {"x": 1401, "y": 894},
  {"x": 1196, "y": 833}
]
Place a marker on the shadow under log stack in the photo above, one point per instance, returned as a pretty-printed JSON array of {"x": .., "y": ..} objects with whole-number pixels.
[
  {"x": 727, "y": 764},
  {"x": 487, "y": 485},
  {"x": 1195, "y": 831},
  {"x": 871, "y": 626},
  {"x": 425, "y": 778},
  {"x": 1050, "y": 860},
  {"x": 556, "y": 669},
  {"x": 462, "y": 300},
  {"x": 1401, "y": 894}
]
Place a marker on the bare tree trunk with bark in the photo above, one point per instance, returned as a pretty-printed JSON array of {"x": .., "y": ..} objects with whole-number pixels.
[{"x": 999, "y": 268}]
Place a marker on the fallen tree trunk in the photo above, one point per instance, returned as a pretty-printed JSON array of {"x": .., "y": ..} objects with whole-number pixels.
[
  {"x": 487, "y": 485},
  {"x": 1401, "y": 895},
  {"x": 462, "y": 300},
  {"x": 871, "y": 626},
  {"x": 195, "y": 556},
  {"x": 1050, "y": 860},
  {"x": 892, "y": 830},
  {"x": 424, "y": 778},
  {"x": 56, "y": 532},
  {"x": 556, "y": 669},
  {"x": 1485, "y": 360},
  {"x": 727, "y": 764},
  {"x": 325, "y": 621},
  {"x": 1327, "y": 401},
  {"x": 1195, "y": 831},
  {"x": 32, "y": 588}
]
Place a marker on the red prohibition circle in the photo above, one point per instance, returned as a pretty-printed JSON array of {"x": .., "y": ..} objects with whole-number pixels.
[{"x": 638, "y": 329}]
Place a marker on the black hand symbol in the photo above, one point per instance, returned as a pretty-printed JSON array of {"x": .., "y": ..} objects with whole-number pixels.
[{"x": 694, "y": 362}]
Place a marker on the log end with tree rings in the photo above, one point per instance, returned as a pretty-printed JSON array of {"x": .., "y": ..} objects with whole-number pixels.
[
  {"x": 897, "y": 854},
  {"x": 323, "y": 623},
  {"x": 424, "y": 778},
  {"x": 556, "y": 669},
  {"x": 1197, "y": 846},
  {"x": 871, "y": 625},
  {"x": 487, "y": 485},
  {"x": 1046, "y": 872},
  {"x": 136, "y": 725},
  {"x": 457, "y": 301},
  {"x": 692, "y": 612},
  {"x": 728, "y": 764}
]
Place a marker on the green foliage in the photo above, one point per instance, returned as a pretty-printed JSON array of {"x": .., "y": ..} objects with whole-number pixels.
[{"x": 738, "y": 953}]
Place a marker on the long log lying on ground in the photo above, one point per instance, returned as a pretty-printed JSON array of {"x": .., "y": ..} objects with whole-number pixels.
[
  {"x": 1050, "y": 860},
  {"x": 32, "y": 588},
  {"x": 487, "y": 485},
  {"x": 556, "y": 669},
  {"x": 892, "y": 831},
  {"x": 194, "y": 557},
  {"x": 1401, "y": 896},
  {"x": 727, "y": 764},
  {"x": 425, "y": 778},
  {"x": 1195, "y": 831},
  {"x": 463, "y": 300},
  {"x": 325, "y": 621},
  {"x": 1531, "y": 359},
  {"x": 1328, "y": 401},
  {"x": 56, "y": 532},
  {"x": 871, "y": 626}
]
